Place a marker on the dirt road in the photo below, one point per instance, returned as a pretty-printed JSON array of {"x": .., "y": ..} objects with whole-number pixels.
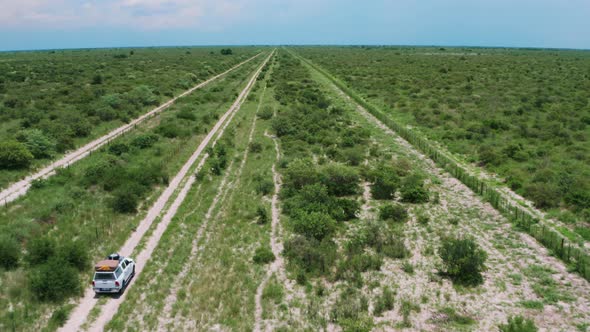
[
  {"x": 81, "y": 312},
  {"x": 19, "y": 188}
]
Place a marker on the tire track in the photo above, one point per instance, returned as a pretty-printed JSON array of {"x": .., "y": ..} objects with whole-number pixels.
[
  {"x": 20, "y": 188},
  {"x": 278, "y": 265},
  {"x": 80, "y": 313},
  {"x": 220, "y": 198}
]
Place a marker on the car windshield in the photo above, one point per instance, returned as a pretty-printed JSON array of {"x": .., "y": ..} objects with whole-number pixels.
[{"x": 104, "y": 276}]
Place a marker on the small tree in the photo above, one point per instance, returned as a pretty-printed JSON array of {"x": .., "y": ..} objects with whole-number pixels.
[
  {"x": 14, "y": 155},
  {"x": 315, "y": 225},
  {"x": 37, "y": 143},
  {"x": 54, "y": 281},
  {"x": 340, "y": 180},
  {"x": 463, "y": 260}
]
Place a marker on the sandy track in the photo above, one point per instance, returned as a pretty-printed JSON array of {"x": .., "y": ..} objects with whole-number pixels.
[
  {"x": 276, "y": 245},
  {"x": 80, "y": 313},
  {"x": 19, "y": 188},
  {"x": 164, "y": 318}
]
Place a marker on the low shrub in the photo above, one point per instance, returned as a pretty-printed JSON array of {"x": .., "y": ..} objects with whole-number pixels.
[
  {"x": 393, "y": 212},
  {"x": 264, "y": 185},
  {"x": 10, "y": 252},
  {"x": 266, "y": 113},
  {"x": 262, "y": 214},
  {"x": 518, "y": 324},
  {"x": 144, "y": 141},
  {"x": 310, "y": 255},
  {"x": 125, "y": 200},
  {"x": 413, "y": 190},
  {"x": 385, "y": 302},
  {"x": 464, "y": 261},
  {"x": 118, "y": 148},
  {"x": 40, "y": 250},
  {"x": 263, "y": 255},
  {"x": 255, "y": 147},
  {"x": 385, "y": 182},
  {"x": 54, "y": 281}
]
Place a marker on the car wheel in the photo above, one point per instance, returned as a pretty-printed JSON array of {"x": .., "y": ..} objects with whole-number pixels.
[{"x": 133, "y": 273}]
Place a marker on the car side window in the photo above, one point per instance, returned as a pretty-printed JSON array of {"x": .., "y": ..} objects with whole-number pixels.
[
  {"x": 124, "y": 264},
  {"x": 118, "y": 272}
]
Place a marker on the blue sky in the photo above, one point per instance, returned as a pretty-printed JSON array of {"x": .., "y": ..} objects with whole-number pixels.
[{"x": 42, "y": 24}]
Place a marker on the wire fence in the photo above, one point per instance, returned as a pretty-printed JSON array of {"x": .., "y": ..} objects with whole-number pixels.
[{"x": 570, "y": 251}]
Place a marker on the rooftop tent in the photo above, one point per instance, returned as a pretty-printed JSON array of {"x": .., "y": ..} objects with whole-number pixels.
[{"x": 107, "y": 265}]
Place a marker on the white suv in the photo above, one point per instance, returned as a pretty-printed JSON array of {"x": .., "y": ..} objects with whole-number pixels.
[{"x": 113, "y": 274}]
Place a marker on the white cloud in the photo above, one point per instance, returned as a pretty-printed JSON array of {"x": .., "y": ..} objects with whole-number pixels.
[{"x": 141, "y": 14}]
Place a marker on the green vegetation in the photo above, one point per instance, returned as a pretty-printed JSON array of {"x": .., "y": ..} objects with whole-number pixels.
[
  {"x": 463, "y": 260},
  {"x": 518, "y": 324},
  {"x": 103, "y": 196},
  {"x": 52, "y": 102},
  {"x": 499, "y": 108}
]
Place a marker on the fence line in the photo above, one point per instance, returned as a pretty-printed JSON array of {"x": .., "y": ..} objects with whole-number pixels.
[{"x": 561, "y": 246}]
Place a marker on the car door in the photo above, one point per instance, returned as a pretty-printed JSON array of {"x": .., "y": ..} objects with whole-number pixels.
[{"x": 125, "y": 270}]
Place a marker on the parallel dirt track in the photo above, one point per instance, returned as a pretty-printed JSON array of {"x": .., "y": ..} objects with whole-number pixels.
[
  {"x": 81, "y": 312},
  {"x": 19, "y": 188}
]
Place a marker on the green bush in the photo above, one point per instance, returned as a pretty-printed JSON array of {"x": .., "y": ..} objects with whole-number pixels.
[
  {"x": 385, "y": 182},
  {"x": 262, "y": 214},
  {"x": 393, "y": 212},
  {"x": 518, "y": 324},
  {"x": 37, "y": 143},
  {"x": 263, "y": 255},
  {"x": 464, "y": 261},
  {"x": 351, "y": 311},
  {"x": 169, "y": 130},
  {"x": 315, "y": 225},
  {"x": 14, "y": 155},
  {"x": 74, "y": 253},
  {"x": 413, "y": 190},
  {"x": 310, "y": 255},
  {"x": 266, "y": 113},
  {"x": 144, "y": 141},
  {"x": 264, "y": 185},
  {"x": 125, "y": 201},
  {"x": 255, "y": 147},
  {"x": 384, "y": 302},
  {"x": 54, "y": 281},
  {"x": 544, "y": 195},
  {"x": 40, "y": 250},
  {"x": 10, "y": 252},
  {"x": 345, "y": 209},
  {"x": 340, "y": 180},
  {"x": 118, "y": 148},
  {"x": 186, "y": 114}
]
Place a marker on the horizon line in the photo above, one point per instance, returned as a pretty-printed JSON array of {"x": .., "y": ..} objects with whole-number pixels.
[{"x": 296, "y": 45}]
